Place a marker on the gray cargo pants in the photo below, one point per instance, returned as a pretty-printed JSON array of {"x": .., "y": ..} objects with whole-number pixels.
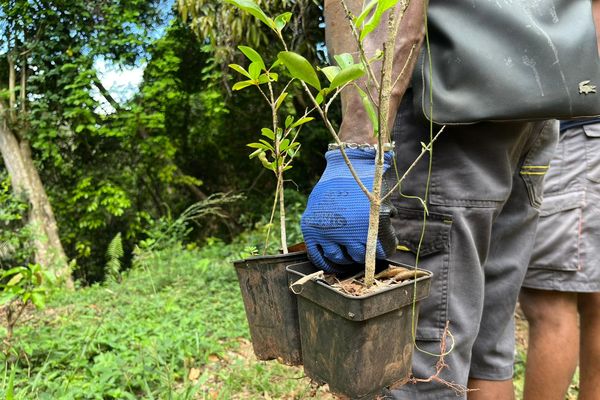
[{"x": 484, "y": 197}]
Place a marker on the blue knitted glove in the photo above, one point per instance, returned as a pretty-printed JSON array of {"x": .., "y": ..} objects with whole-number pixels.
[{"x": 336, "y": 219}]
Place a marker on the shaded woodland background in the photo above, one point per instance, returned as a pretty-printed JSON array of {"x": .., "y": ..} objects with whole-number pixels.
[{"x": 85, "y": 166}]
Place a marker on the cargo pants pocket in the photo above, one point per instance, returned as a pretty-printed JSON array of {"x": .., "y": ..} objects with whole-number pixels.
[
  {"x": 433, "y": 255},
  {"x": 558, "y": 240}
]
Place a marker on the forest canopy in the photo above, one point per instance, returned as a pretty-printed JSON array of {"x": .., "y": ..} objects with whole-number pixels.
[{"x": 85, "y": 167}]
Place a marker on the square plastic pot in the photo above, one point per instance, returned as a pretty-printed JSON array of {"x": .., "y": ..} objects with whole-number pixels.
[
  {"x": 357, "y": 345},
  {"x": 271, "y": 308}
]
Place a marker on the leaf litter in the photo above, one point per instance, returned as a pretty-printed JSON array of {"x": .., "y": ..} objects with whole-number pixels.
[{"x": 391, "y": 276}]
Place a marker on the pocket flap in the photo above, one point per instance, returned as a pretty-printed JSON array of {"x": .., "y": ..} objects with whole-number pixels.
[
  {"x": 408, "y": 225},
  {"x": 562, "y": 202},
  {"x": 558, "y": 241}
]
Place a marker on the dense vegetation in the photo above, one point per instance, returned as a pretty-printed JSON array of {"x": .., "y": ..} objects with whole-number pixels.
[
  {"x": 112, "y": 165},
  {"x": 111, "y": 192},
  {"x": 174, "y": 328}
]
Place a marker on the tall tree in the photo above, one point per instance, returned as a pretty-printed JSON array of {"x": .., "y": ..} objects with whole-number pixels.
[{"x": 47, "y": 82}]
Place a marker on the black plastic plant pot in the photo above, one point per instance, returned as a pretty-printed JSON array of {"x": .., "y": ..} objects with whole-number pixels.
[
  {"x": 359, "y": 345},
  {"x": 271, "y": 308}
]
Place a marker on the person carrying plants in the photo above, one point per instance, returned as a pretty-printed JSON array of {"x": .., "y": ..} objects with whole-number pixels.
[
  {"x": 495, "y": 73},
  {"x": 561, "y": 292}
]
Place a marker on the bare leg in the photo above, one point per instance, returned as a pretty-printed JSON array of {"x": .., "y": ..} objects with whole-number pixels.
[
  {"x": 589, "y": 368},
  {"x": 491, "y": 390},
  {"x": 553, "y": 343}
]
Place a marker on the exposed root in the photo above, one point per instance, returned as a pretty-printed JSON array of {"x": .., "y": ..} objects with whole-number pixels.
[{"x": 460, "y": 390}]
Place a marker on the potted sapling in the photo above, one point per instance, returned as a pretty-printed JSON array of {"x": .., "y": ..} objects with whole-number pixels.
[
  {"x": 271, "y": 308},
  {"x": 346, "y": 321}
]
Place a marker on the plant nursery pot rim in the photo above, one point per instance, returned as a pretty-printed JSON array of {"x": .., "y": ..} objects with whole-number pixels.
[
  {"x": 358, "y": 308},
  {"x": 270, "y": 258},
  {"x": 324, "y": 284}
]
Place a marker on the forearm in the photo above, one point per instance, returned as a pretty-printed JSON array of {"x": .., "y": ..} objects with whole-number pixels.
[{"x": 356, "y": 126}]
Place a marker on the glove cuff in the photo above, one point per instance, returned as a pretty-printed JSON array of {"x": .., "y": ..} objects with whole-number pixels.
[
  {"x": 334, "y": 146},
  {"x": 358, "y": 155}
]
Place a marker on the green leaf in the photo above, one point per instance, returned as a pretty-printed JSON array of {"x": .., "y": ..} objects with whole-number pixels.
[
  {"x": 263, "y": 159},
  {"x": 269, "y": 146},
  {"x": 330, "y": 72},
  {"x": 268, "y": 133},
  {"x": 320, "y": 96},
  {"x": 282, "y": 20},
  {"x": 267, "y": 77},
  {"x": 365, "y": 13},
  {"x": 280, "y": 100},
  {"x": 240, "y": 69},
  {"x": 254, "y": 70},
  {"x": 285, "y": 143},
  {"x": 38, "y": 300},
  {"x": 259, "y": 146},
  {"x": 370, "y": 110},
  {"x": 346, "y": 75},
  {"x": 243, "y": 84},
  {"x": 253, "y": 56},
  {"x": 252, "y": 8},
  {"x": 15, "y": 280},
  {"x": 382, "y": 7},
  {"x": 300, "y": 68},
  {"x": 276, "y": 63},
  {"x": 11, "y": 384},
  {"x": 255, "y": 153},
  {"x": 288, "y": 121},
  {"x": 301, "y": 121},
  {"x": 344, "y": 60},
  {"x": 12, "y": 271}
]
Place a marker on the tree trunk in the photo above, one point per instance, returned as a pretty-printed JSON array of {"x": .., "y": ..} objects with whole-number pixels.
[{"x": 26, "y": 184}]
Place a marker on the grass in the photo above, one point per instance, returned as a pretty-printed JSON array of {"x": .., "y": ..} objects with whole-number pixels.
[{"x": 173, "y": 330}]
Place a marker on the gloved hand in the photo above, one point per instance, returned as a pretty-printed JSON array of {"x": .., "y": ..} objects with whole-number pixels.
[{"x": 336, "y": 219}]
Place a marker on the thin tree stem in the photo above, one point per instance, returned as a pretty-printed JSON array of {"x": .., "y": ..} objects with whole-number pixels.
[
  {"x": 375, "y": 207},
  {"x": 383, "y": 137},
  {"x": 279, "y": 168},
  {"x": 271, "y": 219},
  {"x": 283, "y": 232},
  {"x": 337, "y": 140},
  {"x": 361, "y": 49},
  {"x": 424, "y": 150}
]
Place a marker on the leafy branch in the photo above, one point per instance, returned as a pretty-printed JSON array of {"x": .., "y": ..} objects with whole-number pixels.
[{"x": 348, "y": 74}]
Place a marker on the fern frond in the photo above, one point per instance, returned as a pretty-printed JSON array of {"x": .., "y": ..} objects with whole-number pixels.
[{"x": 114, "y": 253}]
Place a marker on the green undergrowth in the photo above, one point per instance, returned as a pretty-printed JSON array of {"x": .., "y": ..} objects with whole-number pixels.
[{"x": 174, "y": 328}]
